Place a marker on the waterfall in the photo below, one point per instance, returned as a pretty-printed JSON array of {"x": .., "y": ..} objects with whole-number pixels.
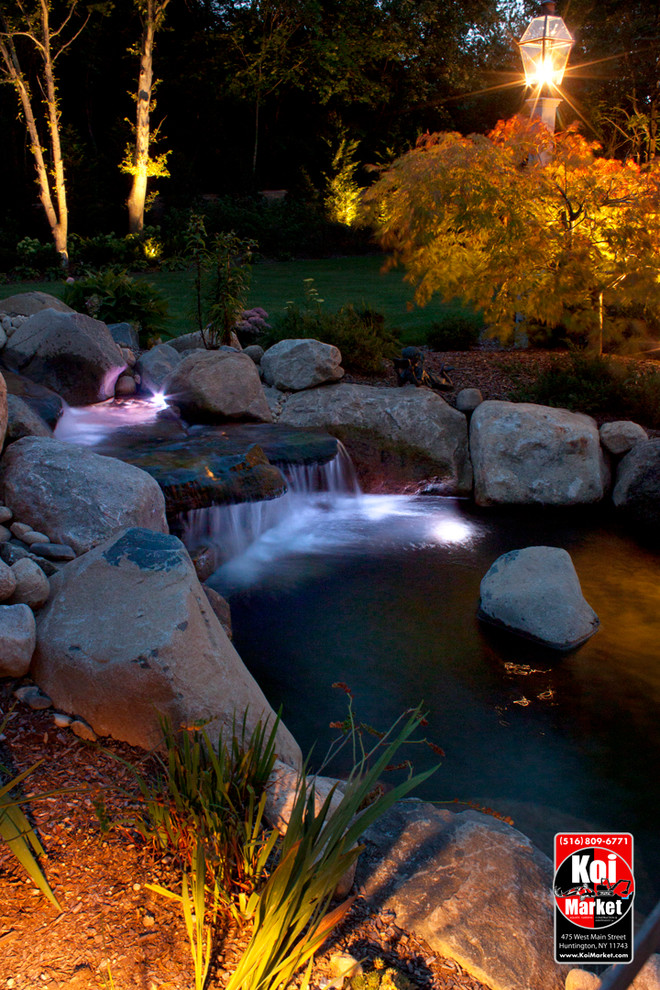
[{"x": 231, "y": 529}]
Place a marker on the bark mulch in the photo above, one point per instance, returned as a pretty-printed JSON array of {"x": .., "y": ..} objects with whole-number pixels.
[{"x": 112, "y": 928}]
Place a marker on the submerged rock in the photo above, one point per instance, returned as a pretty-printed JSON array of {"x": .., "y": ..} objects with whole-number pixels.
[{"x": 536, "y": 593}]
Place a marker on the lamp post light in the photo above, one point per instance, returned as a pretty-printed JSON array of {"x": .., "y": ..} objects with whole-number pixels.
[{"x": 544, "y": 49}]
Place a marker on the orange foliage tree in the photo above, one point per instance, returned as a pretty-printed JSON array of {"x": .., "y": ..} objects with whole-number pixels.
[{"x": 569, "y": 243}]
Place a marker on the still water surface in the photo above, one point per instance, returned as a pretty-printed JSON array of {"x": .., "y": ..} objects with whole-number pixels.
[{"x": 381, "y": 592}]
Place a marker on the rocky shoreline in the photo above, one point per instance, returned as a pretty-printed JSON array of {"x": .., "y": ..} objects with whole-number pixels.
[{"x": 104, "y": 610}]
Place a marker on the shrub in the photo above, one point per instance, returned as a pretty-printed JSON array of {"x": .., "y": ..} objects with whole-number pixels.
[
  {"x": 359, "y": 332},
  {"x": 454, "y": 333},
  {"x": 114, "y": 297},
  {"x": 599, "y": 386}
]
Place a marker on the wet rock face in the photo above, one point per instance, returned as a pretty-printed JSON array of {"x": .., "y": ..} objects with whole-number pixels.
[
  {"x": 407, "y": 435},
  {"x": 536, "y": 593},
  {"x": 202, "y": 465}
]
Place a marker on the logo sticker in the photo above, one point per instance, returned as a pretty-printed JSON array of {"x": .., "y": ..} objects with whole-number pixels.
[{"x": 594, "y": 888}]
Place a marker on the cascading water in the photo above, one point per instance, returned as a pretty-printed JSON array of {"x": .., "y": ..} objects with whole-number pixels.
[
  {"x": 381, "y": 592},
  {"x": 89, "y": 425},
  {"x": 231, "y": 529}
]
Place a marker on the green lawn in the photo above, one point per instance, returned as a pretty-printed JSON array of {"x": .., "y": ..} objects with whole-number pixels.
[{"x": 358, "y": 280}]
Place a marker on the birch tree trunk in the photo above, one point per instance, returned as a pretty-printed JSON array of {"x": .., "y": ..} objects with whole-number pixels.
[
  {"x": 153, "y": 14},
  {"x": 50, "y": 175}
]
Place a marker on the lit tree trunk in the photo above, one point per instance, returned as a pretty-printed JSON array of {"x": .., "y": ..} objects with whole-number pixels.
[
  {"x": 50, "y": 181},
  {"x": 153, "y": 13}
]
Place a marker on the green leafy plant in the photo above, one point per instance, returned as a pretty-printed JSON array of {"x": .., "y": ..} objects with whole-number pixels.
[
  {"x": 360, "y": 333},
  {"x": 16, "y": 831},
  {"x": 114, "y": 297},
  {"x": 292, "y": 915},
  {"x": 221, "y": 283},
  {"x": 193, "y": 903}
]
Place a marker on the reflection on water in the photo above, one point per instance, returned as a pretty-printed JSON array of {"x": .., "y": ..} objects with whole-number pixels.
[{"x": 381, "y": 592}]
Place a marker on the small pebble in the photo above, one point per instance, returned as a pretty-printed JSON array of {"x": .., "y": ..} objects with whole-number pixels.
[
  {"x": 83, "y": 730},
  {"x": 19, "y": 529},
  {"x": 30, "y": 695},
  {"x": 148, "y": 920},
  {"x": 5, "y": 514},
  {"x": 5, "y": 534},
  {"x": 34, "y": 536},
  {"x": 61, "y": 720}
]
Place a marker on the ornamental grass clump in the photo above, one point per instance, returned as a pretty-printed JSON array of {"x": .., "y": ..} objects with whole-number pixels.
[
  {"x": 209, "y": 801},
  {"x": 293, "y": 914},
  {"x": 16, "y": 830}
]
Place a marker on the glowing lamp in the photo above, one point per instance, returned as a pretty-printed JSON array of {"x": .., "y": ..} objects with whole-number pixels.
[{"x": 545, "y": 47}]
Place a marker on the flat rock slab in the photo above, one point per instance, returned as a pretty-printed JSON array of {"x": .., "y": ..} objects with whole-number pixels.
[
  {"x": 474, "y": 888},
  {"x": 199, "y": 466}
]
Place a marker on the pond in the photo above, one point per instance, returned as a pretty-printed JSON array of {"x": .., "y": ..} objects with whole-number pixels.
[{"x": 381, "y": 592}]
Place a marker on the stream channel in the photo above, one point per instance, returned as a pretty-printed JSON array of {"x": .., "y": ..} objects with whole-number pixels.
[{"x": 381, "y": 591}]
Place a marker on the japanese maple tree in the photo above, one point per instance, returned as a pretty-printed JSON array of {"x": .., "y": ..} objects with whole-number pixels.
[{"x": 526, "y": 224}]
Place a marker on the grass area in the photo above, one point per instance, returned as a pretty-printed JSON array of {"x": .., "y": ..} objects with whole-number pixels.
[{"x": 339, "y": 281}]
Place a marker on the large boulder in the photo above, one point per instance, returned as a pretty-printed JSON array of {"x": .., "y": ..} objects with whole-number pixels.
[
  {"x": 154, "y": 365},
  {"x": 396, "y": 436},
  {"x": 155, "y": 649},
  {"x": 23, "y": 421},
  {"x": 69, "y": 352},
  {"x": 217, "y": 385},
  {"x": 29, "y": 303},
  {"x": 536, "y": 593},
  {"x": 637, "y": 490},
  {"x": 474, "y": 888},
  {"x": 523, "y": 453},
  {"x": 294, "y": 365},
  {"x": 75, "y": 496},
  {"x": 4, "y": 410}
]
